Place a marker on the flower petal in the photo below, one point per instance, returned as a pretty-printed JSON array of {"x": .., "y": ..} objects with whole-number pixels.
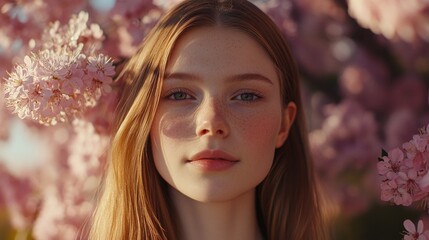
[{"x": 409, "y": 226}]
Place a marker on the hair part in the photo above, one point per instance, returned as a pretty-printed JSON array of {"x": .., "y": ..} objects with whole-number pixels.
[{"x": 135, "y": 202}]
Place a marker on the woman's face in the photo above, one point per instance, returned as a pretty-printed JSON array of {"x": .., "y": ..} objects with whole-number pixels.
[{"x": 220, "y": 116}]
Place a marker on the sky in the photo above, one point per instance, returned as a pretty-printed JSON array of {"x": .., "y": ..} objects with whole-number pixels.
[{"x": 24, "y": 148}]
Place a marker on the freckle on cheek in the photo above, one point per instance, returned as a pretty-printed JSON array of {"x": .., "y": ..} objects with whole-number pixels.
[
  {"x": 177, "y": 128},
  {"x": 261, "y": 128}
]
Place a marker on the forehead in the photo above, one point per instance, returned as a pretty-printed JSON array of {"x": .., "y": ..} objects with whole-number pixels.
[{"x": 219, "y": 49}]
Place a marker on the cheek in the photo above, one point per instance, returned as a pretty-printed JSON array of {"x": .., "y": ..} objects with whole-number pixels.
[
  {"x": 175, "y": 126},
  {"x": 260, "y": 128},
  {"x": 167, "y": 133}
]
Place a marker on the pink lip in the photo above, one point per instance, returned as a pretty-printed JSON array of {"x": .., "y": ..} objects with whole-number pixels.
[
  {"x": 214, "y": 155},
  {"x": 213, "y": 160}
]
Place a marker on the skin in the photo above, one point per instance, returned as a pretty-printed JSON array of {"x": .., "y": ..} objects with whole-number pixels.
[{"x": 221, "y": 92}]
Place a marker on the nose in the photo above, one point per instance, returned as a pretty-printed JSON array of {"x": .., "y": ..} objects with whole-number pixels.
[{"x": 211, "y": 119}]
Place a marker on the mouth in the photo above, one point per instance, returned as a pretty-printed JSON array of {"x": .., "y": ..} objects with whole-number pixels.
[
  {"x": 212, "y": 160},
  {"x": 213, "y": 155}
]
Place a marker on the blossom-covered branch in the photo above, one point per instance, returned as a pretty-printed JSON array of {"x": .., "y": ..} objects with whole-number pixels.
[
  {"x": 64, "y": 78},
  {"x": 404, "y": 175},
  {"x": 404, "y": 171}
]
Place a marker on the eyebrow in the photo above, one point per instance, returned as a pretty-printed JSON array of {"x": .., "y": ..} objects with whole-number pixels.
[{"x": 234, "y": 78}]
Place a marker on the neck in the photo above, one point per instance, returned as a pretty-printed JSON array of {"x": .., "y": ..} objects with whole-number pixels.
[{"x": 228, "y": 220}]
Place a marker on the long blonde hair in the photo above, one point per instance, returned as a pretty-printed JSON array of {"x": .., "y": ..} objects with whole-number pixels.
[{"x": 135, "y": 202}]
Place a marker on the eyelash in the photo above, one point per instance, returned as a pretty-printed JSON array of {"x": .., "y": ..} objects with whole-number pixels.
[
  {"x": 255, "y": 96},
  {"x": 170, "y": 95}
]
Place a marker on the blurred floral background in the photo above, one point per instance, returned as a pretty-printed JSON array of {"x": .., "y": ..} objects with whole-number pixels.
[{"x": 364, "y": 67}]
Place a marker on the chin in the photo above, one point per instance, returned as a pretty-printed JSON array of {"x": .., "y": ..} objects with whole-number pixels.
[{"x": 217, "y": 195}]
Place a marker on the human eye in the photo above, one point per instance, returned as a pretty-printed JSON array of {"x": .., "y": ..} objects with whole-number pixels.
[
  {"x": 178, "y": 95},
  {"x": 247, "y": 96}
]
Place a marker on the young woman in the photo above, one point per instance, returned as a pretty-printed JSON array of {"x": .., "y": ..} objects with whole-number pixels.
[{"x": 211, "y": 140}]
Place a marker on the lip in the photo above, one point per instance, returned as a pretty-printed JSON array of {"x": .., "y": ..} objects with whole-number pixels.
[
  {"x": 214, "y": 154},
  {"x": 212, "y": 160}
]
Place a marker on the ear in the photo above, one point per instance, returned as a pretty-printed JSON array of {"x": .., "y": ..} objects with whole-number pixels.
[{"x": 289, "y": 113}]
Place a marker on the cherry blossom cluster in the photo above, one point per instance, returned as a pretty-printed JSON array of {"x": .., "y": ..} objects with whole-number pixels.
[
  {"x": 70, "y": 184},
  {"x": 64, "y": 77},
  {"x": 342, "y": 151},
  {"x": 404, "y": 171}
]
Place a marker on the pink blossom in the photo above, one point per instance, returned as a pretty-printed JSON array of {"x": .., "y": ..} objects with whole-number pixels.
[
  {"x": 87, "y": 151},
  {"x": 406, "y": 20},
  {"x": 347, "y": 138},
  {"x": 128, "y": 23},
  {"x": 99, "y": 73},
  {"x": 424, "y": 183},
  {"x": 420, "y": 142},
  {"x": 66, "y": 183},
  {"x": 410, "y": 182},
  {"x": 416, "y": 150},
  {"x": 75, "y": 33},
  {"x": 64, "y": 210},
  {"x": 413, "y": 233},
  {"x": 391, "y": 190},
  {"x": 392, "y": 164},
  {"x": 344, "y": 148},
  {"x": 59, "y": 82},
  {"x": 404, "y": 171}
]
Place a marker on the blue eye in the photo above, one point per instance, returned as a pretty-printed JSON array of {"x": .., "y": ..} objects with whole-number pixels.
[{"x": 247, "y": 96}]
